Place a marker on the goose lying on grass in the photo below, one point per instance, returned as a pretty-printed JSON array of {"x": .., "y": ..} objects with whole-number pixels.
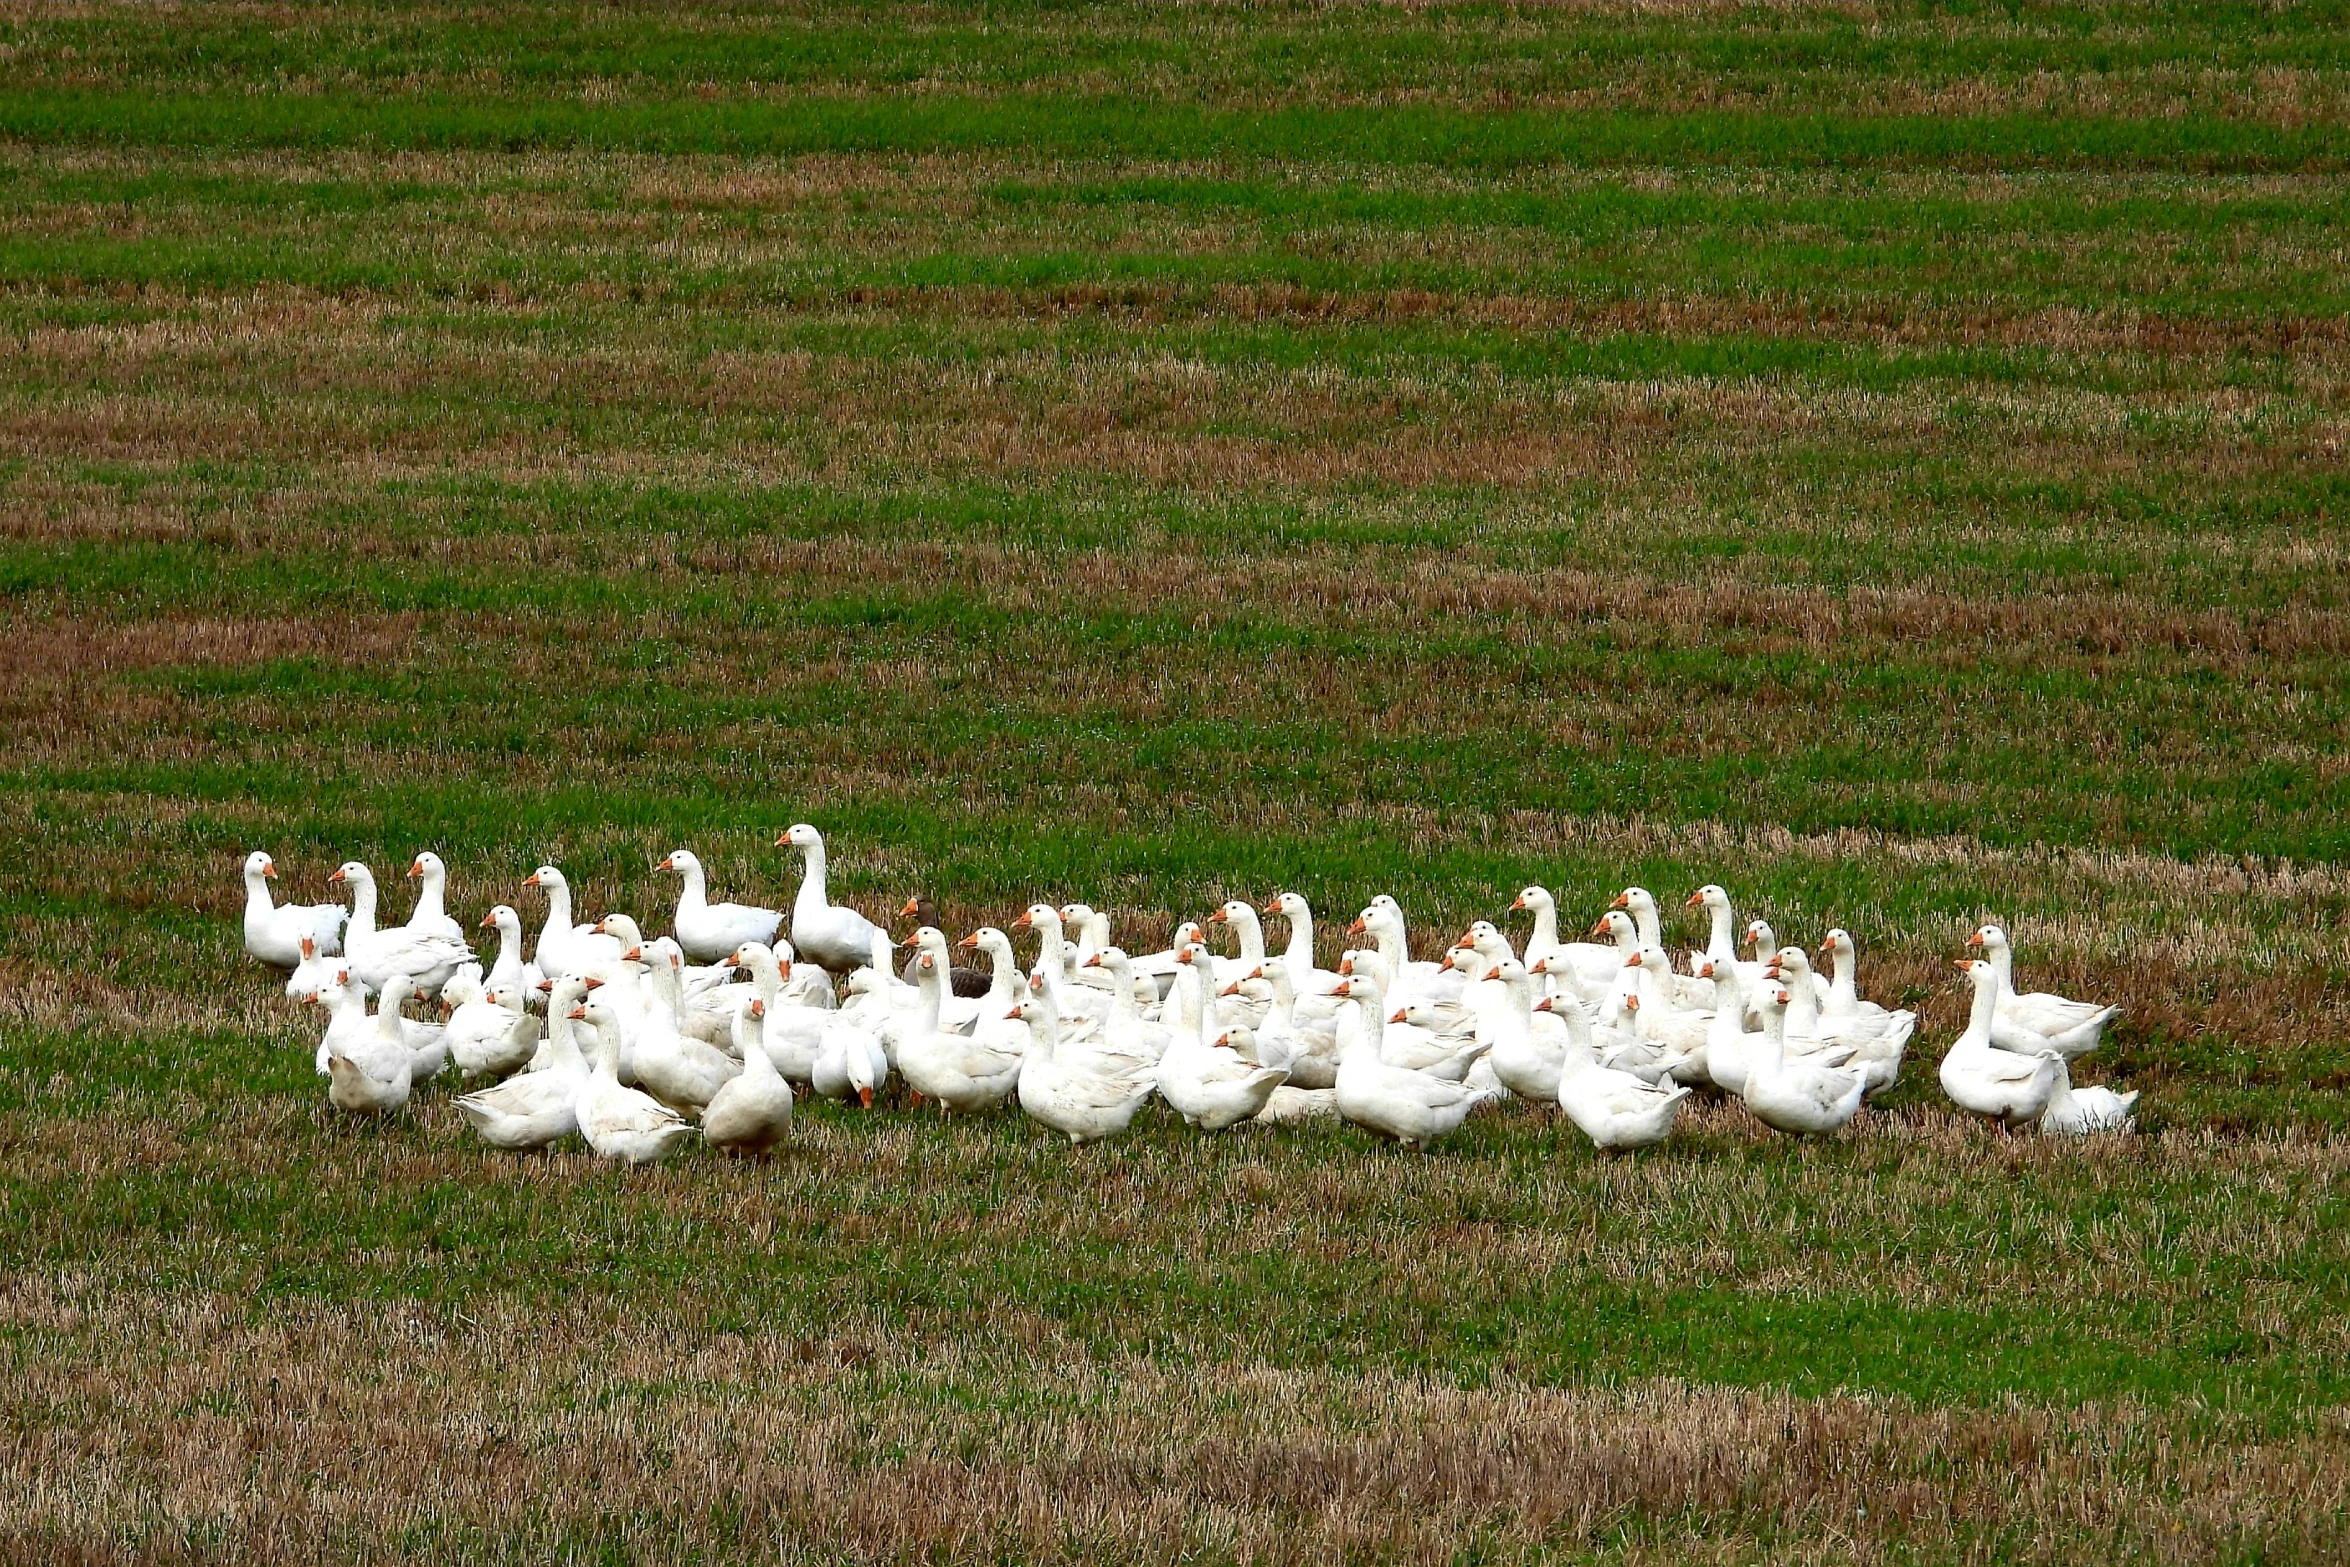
[{"x": 274, "y": 933}]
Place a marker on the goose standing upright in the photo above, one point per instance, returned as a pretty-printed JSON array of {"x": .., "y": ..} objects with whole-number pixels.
[
  {"x": 1082, "y": 1105},
  {"x": 751, "y": 1112},
  {"x": 1802, "y": 1097},
  {"x": 1200, "y": 1076},
  {"x": 426, "y": 958},
  {"x": 2070, "y": 1028},
  {"x": 274, "y": 935},
  {"x": 835, "y": 939},
  {"x": 1411, "y": 1107},
  {"x": 1583, "y": 969},
  {"x": 2007, "y": 1085},
  {"x": 429, "y": 915},
  {"x": 620, "y": 1122},
  {"x": 509, "y": 968},
  {"x": 373, "y": 1072},
  {"x": 565, "y": 947},
  {"x": 706, "y": 931}
]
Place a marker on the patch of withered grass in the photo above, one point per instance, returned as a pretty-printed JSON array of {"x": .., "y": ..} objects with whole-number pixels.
[{"x": 171, "y": 1427}]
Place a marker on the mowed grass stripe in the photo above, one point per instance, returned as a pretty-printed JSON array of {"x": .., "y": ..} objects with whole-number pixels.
[{"x": 1094, "y": 128}]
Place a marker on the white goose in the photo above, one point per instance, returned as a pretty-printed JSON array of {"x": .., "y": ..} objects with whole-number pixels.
[
  {"x": 373, "y": 1072},
  {"x": 565, "y": 947},
  {"x": 1721, "y": 942},
  {"x": 706, "y": 931},
  {"x": 537, "y": 1108},
  {"x": 1805, "y": 1096},
  {"x": 427, "y": 958},
  {"x": 1200, "y": 1076},
  {"x": 1583, "y": 969},
  {"x": 789, "y": 1035},
  {"x": 1411, "y": 1107},
  {"x": 488, "y": 1033},
  {"x": 1382, "y": 920},
  {"x": 315, "y": 972},
  {"x": 682, "y": 1072},
  {"x": 2007, "y": 1086},
  {"x": 834, "y": 938},
  {"x": 2081, "y": 1112},
  {"x": 509, "y": 968},
  {"x": 850, "y": 1061},
  {"x": 620, "y": 1122},
  {"x": 1316, "y": 1007},
  {"x": 429, "y": 915},
  {"x": 958, "y": 1072},
  {"x": 2070, "y": 1028},
  {"x": 274, "y": 934},
  {"x": 1082, "y": 1105},
  {"x": 751, "y": 1112},
  {"x": 1878, "y": 1039},
  {"x": 1310, "y": 1053},
  {"x": 1619, "y": 1111}
]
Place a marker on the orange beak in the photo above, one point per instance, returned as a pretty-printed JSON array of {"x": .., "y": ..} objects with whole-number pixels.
[
  {"x": 1622, "y": 902},
  {"x": 592, "y": 983},
  {"x": 531, "y": 880},
  {"x": 1093, "y": 962},
  {"x": 1695, "y": 899},
  {"x": 784, "y": 841},
  {"x": 913, "y": 906},
  {"x": 1631, "y": 1003},
  {"x": 1346, "y": 965},
  {"x": 338, "y": 875},
  {"x": 1219, "y": 918},
  {"x": 269, "y": 869},
  {"x": 1014, "y": 1015},
  {"x": 1544, "y": 1005},
  {"x": 416, "y": 868},
  {"x": 1599, "y": 929},
  {"x": 1705, "y": 971},
  {"x": 546, "y": 987},
  {"x": 758, "y": 1007},
  {"x": 1358, "y": 927},
  {"x": 864, "y": 1098},
  {"x": 1400, "y": 1016},
  {"x": 910, "y": 941},
  {"x": 1273, "y": 908},
  {"x": 1342, "y": 988},
  {"x": 1963, "y": 965},
  {"x": 1258, "y": 972},
  {"x": 577, "y": 1014},
  {"x": 1232, "y": 989},
  {"x": 971, "y": 941},
  {"x": 1518, "y": 902},
  {"x": 1024, "y": 923},
  {"x": 1975, "y": 940},
  {"x": 1633, "y": 961},
  {"x": 488, "y": 920},
  {"x": 633, "y": 955}
]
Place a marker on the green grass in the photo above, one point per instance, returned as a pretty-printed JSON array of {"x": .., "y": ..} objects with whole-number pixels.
[{"x": 1886, "y": 459}]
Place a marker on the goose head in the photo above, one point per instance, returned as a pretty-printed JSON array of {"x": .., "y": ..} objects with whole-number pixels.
[
  {"x": 261, "y": 865},
  {"x": 1534, "y": 900},
  {"x": 1289, "y": 905},
  {"x": 548, "y": 877},
  {"x": 1789, "y": 963},
  {"x": 681, "y": 861},
  {"x": 1708, "y": 897},
  {"x": 1990, "y": 938},
  {"x": 1617, "y": 926},
  {"x": 502, "y": 918},
  {"x": 1837, "y": 944},
  {"x": 800, "y": 836},
  {"x": 428, "y": 866},
  {"x": 1760, "y": 936},
  {"x": 621, "y": 928},
  {"x": 353, "y": 872}
]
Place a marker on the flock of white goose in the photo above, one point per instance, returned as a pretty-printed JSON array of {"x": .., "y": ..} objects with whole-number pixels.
[{"x": 646, "y": 1043}]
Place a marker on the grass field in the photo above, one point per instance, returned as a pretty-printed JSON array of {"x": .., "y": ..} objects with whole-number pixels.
[{"x": 1887, "y": 459}]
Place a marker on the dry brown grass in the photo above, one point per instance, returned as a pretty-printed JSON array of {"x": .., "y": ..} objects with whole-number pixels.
[{"x": 342, "y": 1432}]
